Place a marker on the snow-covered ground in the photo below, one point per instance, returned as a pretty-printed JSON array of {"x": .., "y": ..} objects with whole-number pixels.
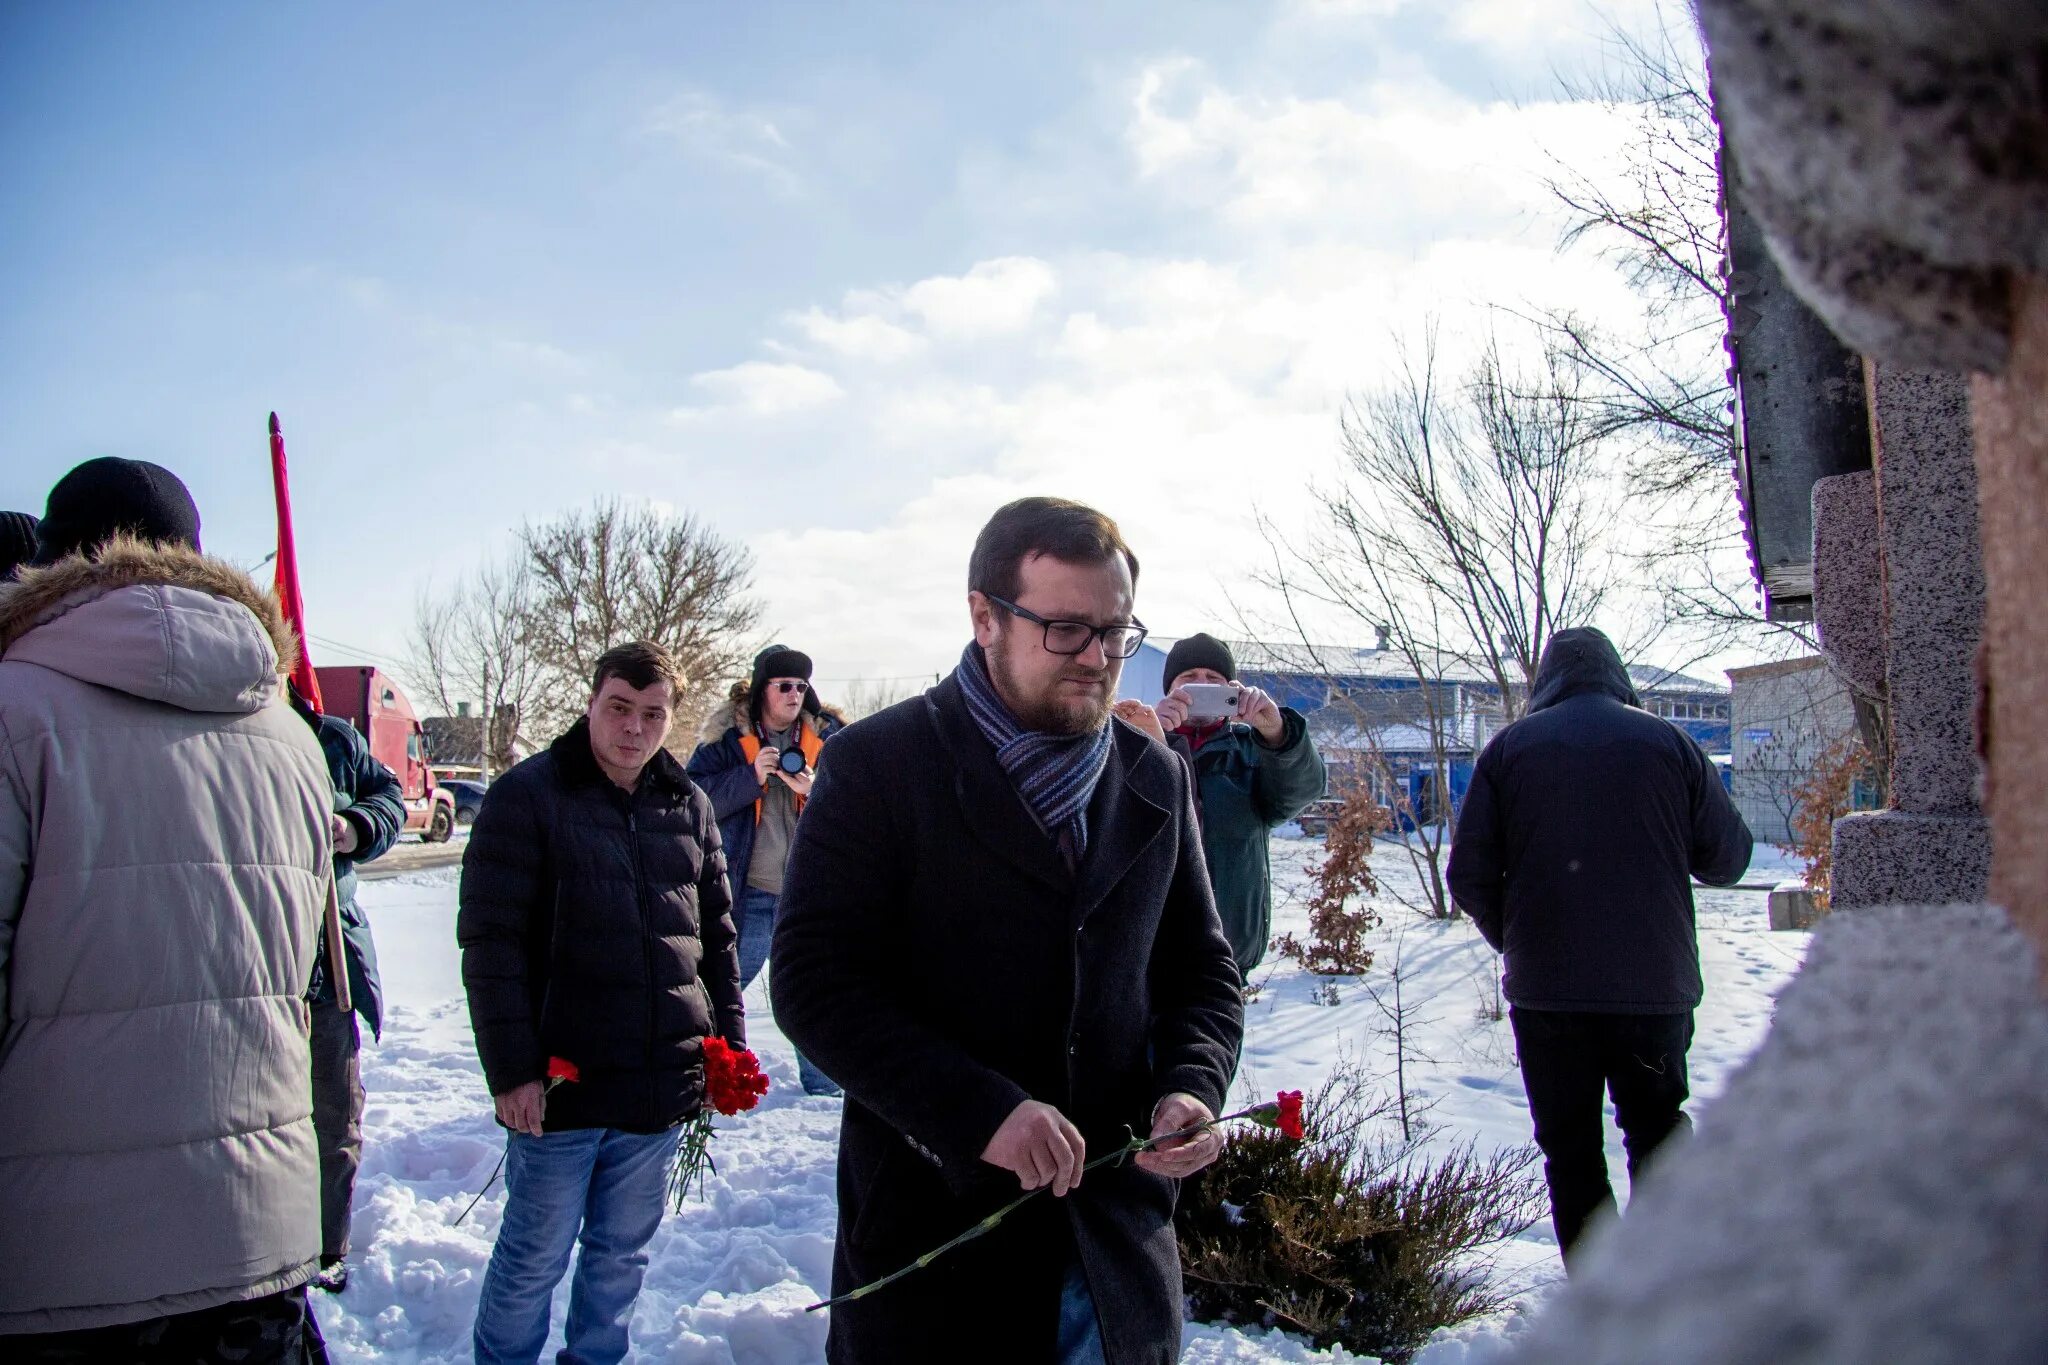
[{"x": 731, "y": 1275}]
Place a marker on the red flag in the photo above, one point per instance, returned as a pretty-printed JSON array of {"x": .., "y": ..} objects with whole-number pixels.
[{"x": 303, "y": 676}]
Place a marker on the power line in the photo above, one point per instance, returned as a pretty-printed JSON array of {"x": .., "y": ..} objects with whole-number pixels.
[{"x": 372, "y": 655}]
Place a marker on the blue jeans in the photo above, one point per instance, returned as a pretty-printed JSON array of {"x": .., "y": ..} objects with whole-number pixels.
[
  {"x": 598, "y": 1186},
  {"x": 1080, "y": 1329},
  {"x": 754, "y": 917}
]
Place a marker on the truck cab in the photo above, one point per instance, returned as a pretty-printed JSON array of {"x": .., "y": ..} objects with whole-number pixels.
[{"x": 373, "y": 702}]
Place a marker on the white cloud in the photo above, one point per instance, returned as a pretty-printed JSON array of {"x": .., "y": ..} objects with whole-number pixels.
[
  {"x": 858, "y": 336},
  {"x": 994, "y": 297},
  {"x": 1399, "y": 161},
  {"x": 761, "y": 388},
  {"x": 1177, "y": 389},
  {"x": 704, "y": 126}
]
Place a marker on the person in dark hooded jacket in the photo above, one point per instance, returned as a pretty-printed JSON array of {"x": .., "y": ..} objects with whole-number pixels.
[{"x": 1575, "y": 848}]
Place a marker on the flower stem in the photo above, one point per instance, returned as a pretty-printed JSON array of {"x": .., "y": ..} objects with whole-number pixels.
[{"x": 1130, "y": 1149}]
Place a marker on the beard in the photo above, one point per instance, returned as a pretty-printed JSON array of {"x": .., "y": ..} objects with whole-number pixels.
[{"x": 1046, "y": 710}]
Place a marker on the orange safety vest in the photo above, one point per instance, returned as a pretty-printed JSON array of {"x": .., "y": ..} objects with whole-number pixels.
[{"x": 807, "y": 741}]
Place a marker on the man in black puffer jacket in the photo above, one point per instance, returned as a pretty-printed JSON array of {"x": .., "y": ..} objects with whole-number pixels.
[
  {"x": 1576, "y": 845},
  {"x": 596, "y": 931}
]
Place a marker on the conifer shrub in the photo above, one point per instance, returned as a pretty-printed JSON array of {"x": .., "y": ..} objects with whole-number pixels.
[
  {"x": 1338, "y": 929},
  {"x": 1352, "y": 1236}
]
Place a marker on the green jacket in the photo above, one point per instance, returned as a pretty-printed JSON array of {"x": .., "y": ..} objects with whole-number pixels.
[{"x": 1244, "y": 789}]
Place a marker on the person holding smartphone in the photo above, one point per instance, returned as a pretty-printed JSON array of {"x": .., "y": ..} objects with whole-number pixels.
[{"x": 1255, "y": 767}]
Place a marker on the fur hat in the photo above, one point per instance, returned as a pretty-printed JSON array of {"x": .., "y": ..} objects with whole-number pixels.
[{"x": 776, "y": 661}]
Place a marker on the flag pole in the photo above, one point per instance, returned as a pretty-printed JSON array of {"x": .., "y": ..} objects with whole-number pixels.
[{"x": 308, "y": 684}]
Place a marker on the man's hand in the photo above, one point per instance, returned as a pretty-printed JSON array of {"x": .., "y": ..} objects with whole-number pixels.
[
  {"x": 1144, "y": 717},
  {"x": 521, "y": 1107},
  {"x": 800, "y": 783},
  {"x": 344, "y": 830},
  {"x": 1173, "y": 709},
  {"x": 1258, "y": 710},
  {"x": 764, "y": 763},
  {"x": 1181, "y": 1157},
  {"x": 1039, "y": 1146}
]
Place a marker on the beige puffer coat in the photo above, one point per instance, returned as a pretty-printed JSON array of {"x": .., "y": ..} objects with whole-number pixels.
[{"x": 163, "y": 866}]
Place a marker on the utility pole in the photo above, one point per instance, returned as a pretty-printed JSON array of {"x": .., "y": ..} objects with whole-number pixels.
[{"x": 483, "y": 747}]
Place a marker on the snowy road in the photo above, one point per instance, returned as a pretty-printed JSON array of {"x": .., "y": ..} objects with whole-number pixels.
[{"x": 730, "y": 1275}]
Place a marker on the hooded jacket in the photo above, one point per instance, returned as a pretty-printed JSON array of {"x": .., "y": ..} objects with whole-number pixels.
[
  {"x": 722, "y": 768},
  {"x": 1576, "y": 846},
  {"x": 163, "y": 865}
]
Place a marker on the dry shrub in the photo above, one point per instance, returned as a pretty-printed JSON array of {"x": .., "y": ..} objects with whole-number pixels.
[
  {"x": 1352, "y": 1236},
  {"x": 1823, "y": 798},
  {"x": 1337, "y": 935}
]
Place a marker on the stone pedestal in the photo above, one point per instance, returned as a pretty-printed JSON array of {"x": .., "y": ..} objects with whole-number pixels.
[
  {"x": 1885, "y": 857},
  {"x": 1793, "y": 906},
  {"x": 1919, "y": 526}
]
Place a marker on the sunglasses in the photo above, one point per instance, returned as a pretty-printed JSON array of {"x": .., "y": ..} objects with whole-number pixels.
[{"x": 786, "y": 687}]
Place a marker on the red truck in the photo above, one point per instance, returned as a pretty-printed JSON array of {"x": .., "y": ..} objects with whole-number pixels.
[{"x": 373, "y": 702}]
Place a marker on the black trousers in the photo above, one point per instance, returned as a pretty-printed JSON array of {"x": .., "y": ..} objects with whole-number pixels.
[
  {"x": 337, "y": 1122},
  {"x": 1568, "y": 1060},
  {"x": 277, "y": 1329}
]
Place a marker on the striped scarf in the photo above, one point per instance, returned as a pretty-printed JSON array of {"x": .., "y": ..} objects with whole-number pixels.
[{"x": 1055, "y": 774}]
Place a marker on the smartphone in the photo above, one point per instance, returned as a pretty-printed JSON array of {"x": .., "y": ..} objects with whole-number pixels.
[{"x": 1210, "y": 701}]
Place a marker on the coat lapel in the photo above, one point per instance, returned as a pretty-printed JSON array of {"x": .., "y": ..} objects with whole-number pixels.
[
  {"x": 1128, "y": 811},
  {"x": 988, "y": 800}
]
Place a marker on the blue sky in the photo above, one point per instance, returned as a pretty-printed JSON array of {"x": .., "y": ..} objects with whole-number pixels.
[{"x": 839, "y": 278}]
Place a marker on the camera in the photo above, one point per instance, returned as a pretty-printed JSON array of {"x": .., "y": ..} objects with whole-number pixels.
[{"x": 791, "y": 761}]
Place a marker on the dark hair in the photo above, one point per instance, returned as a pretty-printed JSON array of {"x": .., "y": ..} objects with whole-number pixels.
[
  {"x": 638, "y": 664},
  {"x": 1059, "y": 527}
]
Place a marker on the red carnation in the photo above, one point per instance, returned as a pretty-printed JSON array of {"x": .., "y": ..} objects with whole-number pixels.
[
  {"x": 562, "y": 1069},
  {"x": 1290, "y": 1115},
  {"x": 732, "y": 1077}
]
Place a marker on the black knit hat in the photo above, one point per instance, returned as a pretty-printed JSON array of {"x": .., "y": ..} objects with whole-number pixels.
[
  {"x": 776, "y": 661},
  {"x": 17, "y": 541},
  {"x": 104, "y": 497},
  {"x": 1197, "y": 651}
]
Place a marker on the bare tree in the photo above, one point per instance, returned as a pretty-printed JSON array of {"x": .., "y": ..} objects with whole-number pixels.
[
  {"x": 1400, "y": 1020},
  {"x": 1470, "y": 521},
  {"x": 865, "y": 696},
  {"x": 475, "y": 644},
  {"x": 1660, "y": 224},
  {"x": 1661, "y": 389},
  {"x": 615, "y": 572}
]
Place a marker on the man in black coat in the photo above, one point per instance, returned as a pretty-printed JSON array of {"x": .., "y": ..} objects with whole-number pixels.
[
  {"x": 998, "y": 935},
  {"x": 1585, "y": 822},
  {"x": 596, "y": 931}
]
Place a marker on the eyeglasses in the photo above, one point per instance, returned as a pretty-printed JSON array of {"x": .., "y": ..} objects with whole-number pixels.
[
  {"x": 785, "y": 686},
  {"x": 1074, "y": 637}
]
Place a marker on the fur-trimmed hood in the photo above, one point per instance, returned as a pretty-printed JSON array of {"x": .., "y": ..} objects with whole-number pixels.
[
  {"x": 161, "y": 622},
  {"x": 733, "y": 716}
]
